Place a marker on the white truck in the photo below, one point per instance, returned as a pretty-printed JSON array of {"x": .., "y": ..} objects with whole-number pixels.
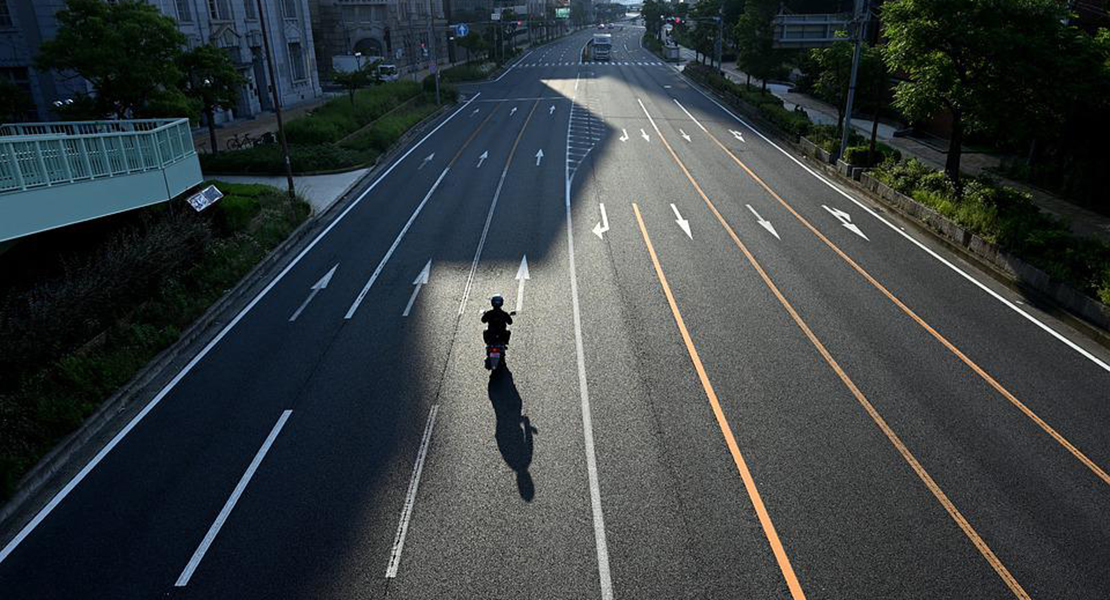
[{"x": 601, "y": 46}]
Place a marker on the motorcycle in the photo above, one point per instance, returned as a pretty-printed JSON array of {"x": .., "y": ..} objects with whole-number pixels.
[{"x": 495, "y": 353}]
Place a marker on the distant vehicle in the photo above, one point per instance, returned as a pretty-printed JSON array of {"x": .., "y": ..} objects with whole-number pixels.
[
  {"x": 388, "y": 73},
  {"x": 601, "y": 47}
]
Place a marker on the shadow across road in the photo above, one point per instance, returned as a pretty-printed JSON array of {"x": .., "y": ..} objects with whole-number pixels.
[{"x": 514, "y": 431}]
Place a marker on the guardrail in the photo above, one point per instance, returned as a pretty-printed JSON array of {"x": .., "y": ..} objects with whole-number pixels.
[{"x": 34, "y": 155}]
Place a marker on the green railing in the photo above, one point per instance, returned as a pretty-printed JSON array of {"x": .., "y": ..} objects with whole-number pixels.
[{"x": 34, "y": 155}]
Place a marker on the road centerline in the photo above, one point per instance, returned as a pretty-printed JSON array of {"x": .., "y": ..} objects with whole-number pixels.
[
  {"x": 896, "y": 441},
  {"x": 492, "y": 208},
  {"x": 951, "y": 347},
  {"x": 400, "y": 236},
  {"x": 764, "y": 517}
]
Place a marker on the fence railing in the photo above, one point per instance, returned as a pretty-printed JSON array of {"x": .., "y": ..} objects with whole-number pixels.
[{"x": 46, "y": 154}]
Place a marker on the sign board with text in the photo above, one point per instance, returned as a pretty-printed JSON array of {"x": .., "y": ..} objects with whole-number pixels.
[{"x": 562, "y": 13}]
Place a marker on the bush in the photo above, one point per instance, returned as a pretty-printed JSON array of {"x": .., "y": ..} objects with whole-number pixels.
[
  {"x": 464, "y": 72},
  {"x": 1009, "y": 218},
  {"x": 652, "y": 43},
  {"x": 860, "y": 155},
  {"x": 267, "y": 159},
  {"x": 234, "y": 213},
  {"x": 73, "y": 340},
  {"x": 387, "y": 130},
  {"x": 341, "y": 117},
  {"x": 766, "y": 104}
]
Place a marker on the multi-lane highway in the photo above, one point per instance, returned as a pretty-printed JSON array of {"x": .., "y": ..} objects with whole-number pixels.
[{"x": 728, "y": 379}]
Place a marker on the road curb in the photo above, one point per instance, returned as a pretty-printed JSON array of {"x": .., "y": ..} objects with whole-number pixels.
[{"x": 69, "y": 456}]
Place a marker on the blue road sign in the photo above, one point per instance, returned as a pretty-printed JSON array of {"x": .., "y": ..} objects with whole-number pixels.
[{"x": 461, "y": 30}]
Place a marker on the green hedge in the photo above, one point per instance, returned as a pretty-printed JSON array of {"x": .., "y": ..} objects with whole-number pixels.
[
  {"x": 464, "y": 72},
  {"x": 1007, "y": 217},
  {"x": 340, "y": 117},
  {"x": 70, "y": 339},
  {"x": 387, "y": 130},
  {"x": 766, "y": 104},
  {"x": 267, "y": 159}
]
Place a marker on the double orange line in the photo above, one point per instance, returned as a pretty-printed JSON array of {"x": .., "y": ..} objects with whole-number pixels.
[{"x": 903, "y": 450}]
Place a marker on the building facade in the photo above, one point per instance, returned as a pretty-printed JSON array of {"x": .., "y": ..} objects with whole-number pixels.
[
  {"x": 406, "y": 33},
  {"x": 229, "y": 24}
]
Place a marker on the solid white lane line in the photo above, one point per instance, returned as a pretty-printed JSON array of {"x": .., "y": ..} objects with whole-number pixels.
[
  {"x": 410, "y": 497},
  {"x": 605, "y": 579},
  {"x": 65, "y": 491},
  {"x": 489, "y": 215},
  {"x": 221, "y": 518},
  {"x": 696, "y": 122},
  {"x": 928, "y": 250},
  {"x": 396, "y": 242}
]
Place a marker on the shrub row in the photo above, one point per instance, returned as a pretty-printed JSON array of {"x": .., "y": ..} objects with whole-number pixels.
[
  {"x": 361, "y": 149},
  {"x": 465, "y": 72},
  {"x": 341, "y": 117},
  {"x": 768, "y": 105},
  {"x": 71, "y": 339},
  {"x": 1007, "y": 217}
]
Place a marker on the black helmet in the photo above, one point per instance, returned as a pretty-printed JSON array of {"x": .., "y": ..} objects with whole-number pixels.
[{"x": 497, "y": 300}]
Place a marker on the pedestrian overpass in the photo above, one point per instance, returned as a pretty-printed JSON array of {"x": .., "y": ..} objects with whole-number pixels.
[{"x": 60, "y": 173}]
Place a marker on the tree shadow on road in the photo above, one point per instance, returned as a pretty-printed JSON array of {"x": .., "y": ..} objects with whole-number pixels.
[{"x": 514, "y": 430}]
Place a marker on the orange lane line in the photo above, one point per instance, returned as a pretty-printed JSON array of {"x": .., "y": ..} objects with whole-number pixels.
[
  {"x": 730, "y": 440},
  {"x": 927, "y": 479},
  {"x": 1090, "y": 464},
  {"x": 473, "y": 135}
]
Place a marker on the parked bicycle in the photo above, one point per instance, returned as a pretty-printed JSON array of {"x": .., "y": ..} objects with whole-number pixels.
[{"x": 245, "y": 140}]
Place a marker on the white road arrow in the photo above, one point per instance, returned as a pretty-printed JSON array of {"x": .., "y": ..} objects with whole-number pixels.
[
  {"x": 539, "y": 156},
  {"x": 737, "y": 135},
  {"x": 316, "y": 287},
  {"x": 683, "y": 223},
  {"x": 521, "y": 276},
  {"x": 685, "y": 135},
  {"x": 512, "y": 112},
  {"x": 426, "y": 161},
  {"x": 846, "y": 220},
  {"x": 624, "y": 135},
  {"x": 482, "y": 158},
  {"x": 551, "y": 110},
  {"x": 765, "y": 223},
  {"x": 420, "y": 281},
  {"x": 475, "y": 112},
  {"x": 644, "y": 135},
  {"x": 603, "y": 226}
]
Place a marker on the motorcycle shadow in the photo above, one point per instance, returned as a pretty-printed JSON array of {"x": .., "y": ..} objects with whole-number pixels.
[{"x": 514, "y": 432}]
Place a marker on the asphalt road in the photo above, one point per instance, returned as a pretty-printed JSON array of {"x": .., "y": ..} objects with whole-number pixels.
[{"x": 728, "y": 379}]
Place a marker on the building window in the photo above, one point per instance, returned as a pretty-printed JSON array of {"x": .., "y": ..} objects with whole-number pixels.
[
  {"x": 5, "y": 15},
  {"x": 289, "y": 9},
  {"x": 250, "y": 8},
  {"x": 296, "y": 62},
  {"x": 219, "y": 10}
]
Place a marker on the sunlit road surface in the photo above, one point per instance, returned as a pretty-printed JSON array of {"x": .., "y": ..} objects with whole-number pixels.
[{"x": 727, "y": 379}]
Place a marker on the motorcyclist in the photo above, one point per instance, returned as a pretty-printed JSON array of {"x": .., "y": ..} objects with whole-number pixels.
[{"x": 497, "y": 322}]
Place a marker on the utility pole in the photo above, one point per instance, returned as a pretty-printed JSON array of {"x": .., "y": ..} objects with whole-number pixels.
[
  {"x": 720, "y": 33},
  {"x": 859, "y": 23},
  {"x": 277, "y": 98},
  {"x": 432, "y": 50}
]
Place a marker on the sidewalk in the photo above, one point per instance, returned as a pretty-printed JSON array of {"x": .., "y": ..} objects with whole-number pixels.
[
  {"x": 321, "y": 191},
  {"x": 260, "y": 124},
  {"x": 1082, "y": 222}
]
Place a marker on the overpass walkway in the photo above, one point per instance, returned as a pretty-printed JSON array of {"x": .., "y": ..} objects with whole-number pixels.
[{"x": 60, "y": 173}]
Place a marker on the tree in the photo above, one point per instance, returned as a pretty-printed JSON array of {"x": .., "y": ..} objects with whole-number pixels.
[
  {"x": 754, "y": 32},
  {"x": 212, "y": 81},
  {"x": 475, "y": 45},
  {"x": 127, "y": 51},
  {"x": 978, "y": 60},
  {"x": 653, "y": 12},
  {"x": 15, "y": 102},
  {"x": 832, "y": 78}
]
